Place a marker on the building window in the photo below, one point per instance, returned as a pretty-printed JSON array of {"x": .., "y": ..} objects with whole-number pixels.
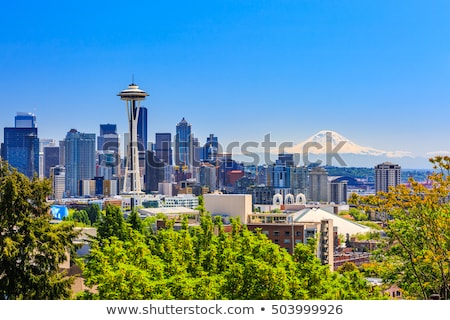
[
  {"x": 287, "y": 241},
  {"x": 298, "y": 233},
  {"x": 276, "y": 241},
  {"x": 287, "y": 233},
  {"x": 265, "y": 232},
  {"x": 276, "y": 233}
]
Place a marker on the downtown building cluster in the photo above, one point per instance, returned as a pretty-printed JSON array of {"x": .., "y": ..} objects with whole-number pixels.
[{"x": 87, "y": 165}]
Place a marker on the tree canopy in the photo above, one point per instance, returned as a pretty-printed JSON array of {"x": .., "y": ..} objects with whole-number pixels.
[
  {"x": 205, "y": 262},
  {"x": 31, "y": 248}
]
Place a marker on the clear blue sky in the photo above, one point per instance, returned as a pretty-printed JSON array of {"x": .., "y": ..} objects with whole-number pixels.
[{"x": 377, "y": 72}]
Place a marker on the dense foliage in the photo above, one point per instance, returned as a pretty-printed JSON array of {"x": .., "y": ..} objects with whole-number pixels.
[
  {"x": 205, "y": 262},
  {"x": 31, "y": 248}
]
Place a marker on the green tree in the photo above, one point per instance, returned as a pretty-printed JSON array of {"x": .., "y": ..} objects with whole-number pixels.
[
  {"x": 358, "y": 215},
  {"x": 79, "y": 217},
  {"x": 201, "y": 205},
  {"x": 417, "y": 254},
  {"x": 122, "y": 269},
  {"x": 112, "y": 224},
  {"x": 31, "y": 248},
  {"x": 205, "y": 262},
  {"x": 135, "y": 221},
  {"x": 94, "y": 212}
]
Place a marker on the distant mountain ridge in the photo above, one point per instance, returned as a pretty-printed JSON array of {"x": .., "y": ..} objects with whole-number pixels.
[{"x": 330, "y": 148}]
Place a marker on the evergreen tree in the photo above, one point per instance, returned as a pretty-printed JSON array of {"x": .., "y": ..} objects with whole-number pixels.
[
  {"x": 112, "y": 224},
  {"x": 94, "y": 212},
  {"x": 135, "y": 221},
  {"x": 31, "y": 248}
]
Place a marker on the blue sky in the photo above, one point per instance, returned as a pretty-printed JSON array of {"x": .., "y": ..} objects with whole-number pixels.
[{"x": 377, "y": 72}]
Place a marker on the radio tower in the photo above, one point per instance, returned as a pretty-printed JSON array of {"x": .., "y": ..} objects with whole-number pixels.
[{"x": 132, "y": 96}]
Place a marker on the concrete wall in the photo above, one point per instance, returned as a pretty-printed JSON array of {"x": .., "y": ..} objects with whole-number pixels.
[{"x": 235, "y": 205}]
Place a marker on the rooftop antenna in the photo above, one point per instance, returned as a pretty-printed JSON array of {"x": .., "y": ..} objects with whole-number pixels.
[{"x": 132, "y": 78}]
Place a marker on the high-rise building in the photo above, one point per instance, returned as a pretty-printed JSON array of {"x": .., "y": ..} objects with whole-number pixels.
[
  {"x": 387, "y": 175},
  {"x": 208, "y": 177},
  {"x": 80, "y": 159},
  {"x": 142, "y": 131},
  {"x": 44, "y": 143},
  {"x": 108, "y": 147},
  {"x": 154, "y": 172},
  {"x": 300, "y": 180},
  {"x": 163, "y": 147},
  {"x": 183, "y": 144},
  {"x": 58, "y": 179},
  {"x": 142, "y": 136},
  {"x": 21, "y": 145},
  {"x": 196, "y": 153},
  {"x": 108, "y": 138},
  {"x": 210, "y": 149},
  {"x": 51, "y": 159},
  {"x": 338, "y": 190},
  {"x": 318, "y": 185},
  {"x": 62, "y": 153},
  {"x": 281, "y": 175}
]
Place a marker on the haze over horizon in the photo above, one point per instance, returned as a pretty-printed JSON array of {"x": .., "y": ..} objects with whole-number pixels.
[{"x": 376, "y": 72}]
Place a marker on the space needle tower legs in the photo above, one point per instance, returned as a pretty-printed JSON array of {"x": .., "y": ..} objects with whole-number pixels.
[{"x": 132, "y": 97}]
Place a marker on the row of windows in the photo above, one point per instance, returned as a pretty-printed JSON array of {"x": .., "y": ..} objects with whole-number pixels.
[
  {"x": 287, "y": 241},
  {"x": 286, "y": 233}
]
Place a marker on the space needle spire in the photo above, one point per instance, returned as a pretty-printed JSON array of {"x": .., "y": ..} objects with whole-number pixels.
[{"x": 132, "y": 179}]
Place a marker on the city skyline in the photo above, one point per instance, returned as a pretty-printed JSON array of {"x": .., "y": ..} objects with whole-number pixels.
[{"x": 377, "y": 73}]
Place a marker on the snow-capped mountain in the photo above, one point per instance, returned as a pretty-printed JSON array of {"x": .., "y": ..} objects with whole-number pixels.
[
  {"x": 326, "y": 141},
  {"x": 332, "y": 149}
]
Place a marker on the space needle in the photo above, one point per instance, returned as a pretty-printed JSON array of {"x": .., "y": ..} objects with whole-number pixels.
[{"x": 132, "y": 97}]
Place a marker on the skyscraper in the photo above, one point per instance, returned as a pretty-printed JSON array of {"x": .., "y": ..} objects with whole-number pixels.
[
  {"x": 154, "y": 172},
  {"x": 142, "y": 130},
  {"x": 44, "y": 143},
  {"x": 208, "y": 176},
  {"x": 183, "y": 144},
  {"x": 300, "y": 180},
  {"x": 281, "y": 175},
  {"x": 108, "y": 150},
  {"x": 163, "y": 147},
  {"x": 21, "y": 145},
  {"x": 108, "y": 138},
  {"x": 51, "y": 159},
  {"x": 387, "y": 175},
  {"x": 211, "y": 149},
  {"x": 80, "y": 159}
]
